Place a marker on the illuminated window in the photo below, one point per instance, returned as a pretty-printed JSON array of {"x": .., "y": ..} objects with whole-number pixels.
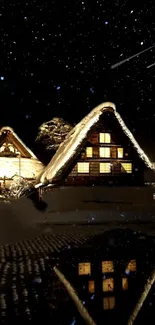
[
  {"x": 131, "y": 267},
  {"x": 124, "y": 283},
  {"x": 8, "y": 147},
  {"x": 108, "y": 284},
  {"x": 91, "y": 286},
  {"x": 109, "y": 303},
  {"x": 83, "y": 167},
  {"x": 120, "y": 152},
  {"x": 107, "y": 266},
  {"x": 105, "y": 138},
  {"x": 105, "y": 167},
  {"x": 84, "y": 268},
  {"x": 127, "y": 167},
  {"x": 89, "y": 152},
  {"x": 105, "y": 152}
]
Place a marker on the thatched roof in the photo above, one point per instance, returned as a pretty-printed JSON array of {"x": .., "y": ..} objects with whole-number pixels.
[
  {"x": 68, "y": 150},
  {"x": 6, "y": 132}
]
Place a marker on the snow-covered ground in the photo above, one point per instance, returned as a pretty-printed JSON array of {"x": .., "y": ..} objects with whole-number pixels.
[{"x": 67, "y": 205}]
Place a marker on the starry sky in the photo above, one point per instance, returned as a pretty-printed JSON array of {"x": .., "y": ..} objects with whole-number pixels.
[{"x": 57, "y": 58}]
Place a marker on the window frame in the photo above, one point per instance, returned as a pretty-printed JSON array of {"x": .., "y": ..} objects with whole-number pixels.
[
  {"x": 104, "y": 135},
  {"x": 104, "y": 151},
  {"x": 105, "y": 171},
  {"x": 87, "y": 154},
  {"x": 80, "y": 163},
  {"x": 126, "y": 170},
  {"x": 118, "y": 152}
]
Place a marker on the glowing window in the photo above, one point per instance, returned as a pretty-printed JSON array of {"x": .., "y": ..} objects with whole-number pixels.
[
  {"x": 105, "y": 138},
  {"x": 108, "y": 284},
  {"x": 107, "y": 266},
  {"x": 131, "y": 267},
  {"x": 91, "y": 286},
  {"x": 109, "y": 303},
  {"x": 83, "y": 167},
  {"x": 127, "y": 167},
  {"x": 84, "y": 268},
  {"x": 105, "y": 152},
  {"x": 89, "y": 152},
  {"x": 105, "y": 167},
  {"x": 124, "y": 283},
  {"x": 120, "y": 152}
]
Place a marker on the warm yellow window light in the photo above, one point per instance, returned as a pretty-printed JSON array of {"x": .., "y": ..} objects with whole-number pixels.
[
  {"x": 105, "y": 138},
  {"x": 131, "y": 267},
  {"x": 127, "y": 167},
  {"x": 105, "y": 152},
  {"x": 105, "y": 167},
  {"x": 107, "y": 266},
  {"x": 108, "y": 303},
  {"x": 89, "y": 152},
  {"x": 120, "y": 152},
  {"x": 84, "y": 268},
  {"x": 124, "y": 283},
  {"x": 91, "y": 286},
  {"x": 83, "y": 167},
  {"x": 108, "y": 284}
]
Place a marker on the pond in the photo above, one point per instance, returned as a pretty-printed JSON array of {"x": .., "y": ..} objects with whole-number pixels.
[{"x": 108, "y": 271}]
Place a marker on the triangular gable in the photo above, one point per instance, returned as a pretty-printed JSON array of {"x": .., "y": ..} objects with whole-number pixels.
[
  {"x": 68, "y": 150},
  {"x": 8, "y": 135}
]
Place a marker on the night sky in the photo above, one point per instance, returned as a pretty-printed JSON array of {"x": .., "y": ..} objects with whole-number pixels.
[{"x": 57, "y": 61}]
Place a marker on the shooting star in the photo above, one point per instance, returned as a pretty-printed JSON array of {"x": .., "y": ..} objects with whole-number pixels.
[
  {"x": 151, "y": 65},
  {"x": 131, "y": 57}
]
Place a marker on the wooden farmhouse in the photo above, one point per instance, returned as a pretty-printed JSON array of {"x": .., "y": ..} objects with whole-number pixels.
[
  {"x": 100, "y": 150},
  {"x": 16, "y": 159}
]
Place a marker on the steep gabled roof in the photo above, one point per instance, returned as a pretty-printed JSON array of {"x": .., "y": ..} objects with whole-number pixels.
[
  {"x": 75, "y": 138},
  {"x": 7, "y": 133}
]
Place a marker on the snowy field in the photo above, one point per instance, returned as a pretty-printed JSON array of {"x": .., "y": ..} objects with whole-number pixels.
[{"x": 72, "y": 206}]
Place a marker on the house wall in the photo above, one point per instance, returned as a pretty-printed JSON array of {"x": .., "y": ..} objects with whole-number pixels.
[
  {"x": 28, "y": 168},
  {"x": 117, "y": 174}
]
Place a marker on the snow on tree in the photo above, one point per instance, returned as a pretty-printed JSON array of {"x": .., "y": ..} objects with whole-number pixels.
[
  {"x": 19, "y": 187},
  {"x": 52, "y": 133}
]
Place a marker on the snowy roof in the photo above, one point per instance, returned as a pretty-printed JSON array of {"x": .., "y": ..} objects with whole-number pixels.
[
  {"x": 69, "y": 148},
  {"x": 15, "y": 136}
]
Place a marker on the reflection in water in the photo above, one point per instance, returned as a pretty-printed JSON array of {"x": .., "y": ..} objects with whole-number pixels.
[{"x": 108, "y": 272}]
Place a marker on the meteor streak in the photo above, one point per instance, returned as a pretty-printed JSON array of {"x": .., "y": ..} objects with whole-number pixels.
[
  {"x": 131, "y": 57},
  {"x": 151, "y": 65}
]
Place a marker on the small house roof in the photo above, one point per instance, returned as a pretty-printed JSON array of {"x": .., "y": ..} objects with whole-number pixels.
[
  {"x": 9, "y": 133},
  {"x": 75, "y": 138}
]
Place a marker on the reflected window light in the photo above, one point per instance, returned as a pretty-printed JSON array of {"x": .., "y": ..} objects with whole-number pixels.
[
  {"x": 91, "y": 286},
  {"x": 131, "y": 267},
  {"x": 108, "y": 303},
  {"x": 108, "y": 285},
  {"x": 124, "y": 283},
  {"x": 84, "y": 268},
  {"x": 107, "y": 266}
]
